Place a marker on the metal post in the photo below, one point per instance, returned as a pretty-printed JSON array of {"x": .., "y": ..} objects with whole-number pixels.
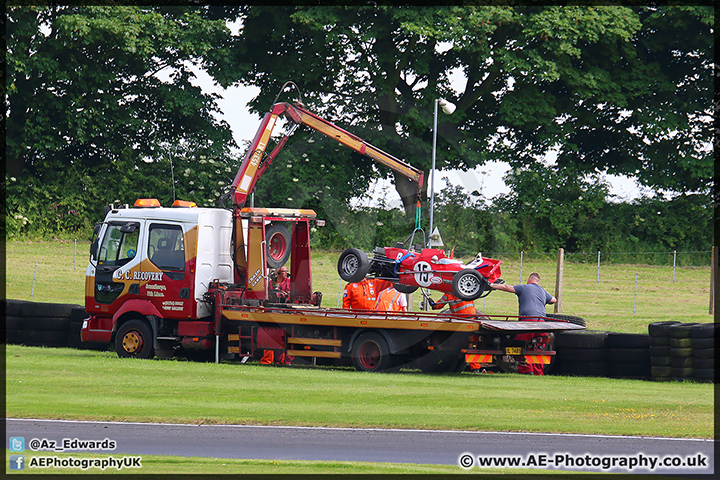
[
  {"x": 674, "y": 263},
  {"x": 32, "y": 292},
  {"x": 75, "y": 257},
  {"x": 521, "y": 261},
  {"x": 635, "y": 302},
  {"x": 713, "y": 278},
  {"x": 432, "y": 168},
  {"x": 559, "y": 280},
  {"x": 339, "y": 290},
  {"x": 598, "y": 275}
]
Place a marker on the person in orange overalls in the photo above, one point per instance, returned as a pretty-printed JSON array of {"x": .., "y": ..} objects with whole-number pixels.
[
  {"x": 456, "y": 305},
  {"x": 363, "y": 295},
  {"x": 390, "y": 300}
]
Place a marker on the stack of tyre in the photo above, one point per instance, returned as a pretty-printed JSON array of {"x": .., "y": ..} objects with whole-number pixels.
[
  {"x": 628, "y": 355},
  {"x": 703, "y": 344},
  {"x": 46, "y": 324},
  {"x": 682, "y": 351},
  {"x": 581, "y": 353},
  {"x": 14, "y": 322},
  {"x": 41, "y": 324}
]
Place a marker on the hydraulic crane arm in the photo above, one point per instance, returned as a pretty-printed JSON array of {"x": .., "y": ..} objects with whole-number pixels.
[{"x": 255, "y": 161}]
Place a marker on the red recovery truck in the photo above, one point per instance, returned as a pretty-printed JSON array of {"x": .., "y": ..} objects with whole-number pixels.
[{"x": 164, "y": 279}]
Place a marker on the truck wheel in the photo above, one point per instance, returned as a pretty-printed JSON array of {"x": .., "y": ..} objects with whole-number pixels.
[
  {"x": 277, "y": 239},
  {"x": 371, "y": 353},
  {"x": 134, "y": 339},
  {"x": 353, "y": 265},
  {"x": 468, "y": 284}
]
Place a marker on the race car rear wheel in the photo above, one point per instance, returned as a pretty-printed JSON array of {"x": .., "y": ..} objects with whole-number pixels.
[
  {"x": 353, "y": 265},
  {"x": 468, "y": 284}
]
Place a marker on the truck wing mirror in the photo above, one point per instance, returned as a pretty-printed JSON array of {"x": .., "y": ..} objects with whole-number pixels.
[{"x": 128, "y": 228}]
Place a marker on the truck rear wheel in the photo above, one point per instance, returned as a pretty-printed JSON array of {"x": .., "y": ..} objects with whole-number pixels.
[
  {"x": 371, "y": 353},
  {"x": 134, "y": 340}
]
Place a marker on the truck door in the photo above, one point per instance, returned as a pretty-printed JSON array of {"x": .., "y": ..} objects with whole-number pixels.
[
  {"x": 171, "y": 289},
  {"x": 117, "y": 252}
]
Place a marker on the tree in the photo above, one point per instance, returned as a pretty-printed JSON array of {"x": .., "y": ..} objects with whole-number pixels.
[
  {"x": 98, "y": 97},
  {"x": 622, "y": 89}
]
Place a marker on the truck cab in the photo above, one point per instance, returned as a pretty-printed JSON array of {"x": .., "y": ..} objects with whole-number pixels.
[{"x": 155, "y": 264}]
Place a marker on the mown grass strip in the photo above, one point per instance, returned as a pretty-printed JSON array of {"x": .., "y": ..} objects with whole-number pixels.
[
  {"x": 165, "y": 464},
  {"x": 89, "y": 385}
]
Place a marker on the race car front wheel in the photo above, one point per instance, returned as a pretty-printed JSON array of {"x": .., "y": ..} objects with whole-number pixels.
[
  {"x": 353, "y": 265},
  {"x": 468, "y": 284}
]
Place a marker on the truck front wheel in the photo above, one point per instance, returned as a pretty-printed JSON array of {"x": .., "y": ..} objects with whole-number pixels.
[
  {"x": 134, "y": 340},
  {"x": 371, "y": 353}
]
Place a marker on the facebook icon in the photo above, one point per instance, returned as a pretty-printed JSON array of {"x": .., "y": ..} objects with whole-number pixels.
[{"x": 17, "y": 462}]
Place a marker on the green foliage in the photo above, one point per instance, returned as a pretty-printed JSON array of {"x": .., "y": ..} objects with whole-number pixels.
[
  {"x": 613, "y": 88},
  {"x": 99, "y": 99}
]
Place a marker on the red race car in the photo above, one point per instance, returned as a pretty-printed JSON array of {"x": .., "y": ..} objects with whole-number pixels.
[{"x": 429, "y": 268}]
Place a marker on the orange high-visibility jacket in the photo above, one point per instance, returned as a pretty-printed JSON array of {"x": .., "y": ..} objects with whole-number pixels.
[
  {"x": 364, "y": 294},
  {"x": 456, "y": 305},
  {"x": 391, "y": 300}
]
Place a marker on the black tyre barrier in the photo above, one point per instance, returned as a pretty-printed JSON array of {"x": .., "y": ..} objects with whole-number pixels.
[
  {"x": 635, "y": 370},
  {"x": 50, "y": 325},
  {"x": 681, "y": 330},
  {"x": 659, "y": 351},
  {"x": 681, "y": 352},
  {"x": 660, "y": 329},
  {"x": 14, "y": 337},
  {"x": 705, "y": 353},
  {"x": 14, "y": 323},
  {"x": 704, "y": 363},
  {"x": 659, "y": 341},
  {"x": 42, "y": 324},
  {"x": 705, "y": 375},
  {"x": 660, "y": 371},
  {"x": 682, "y": 362},
  {"x": 681, "y": 342},
  {"x": 700, "y": 343},
  {"x": 34, "y": 338},
  {"x": 627, "y": 340},
  {"x": 582, "y": 354},
  {"x": 589, "y": 369},
  {"x": 629, "y": 355},
  {"x": 683, "y": 372},
  {"x": 662, "y": 361},
  {"x": 59, "y": 310},
  {"x": 13, "y": 307},
  {"x": 581, "y": 339},
  {"x": 78, "y": 314},
  {"x": 704, "y": 330}
]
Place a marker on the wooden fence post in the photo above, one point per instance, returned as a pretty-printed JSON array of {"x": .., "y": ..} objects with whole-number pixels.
[
  {"x": 559, "y": 280},
  {"x": 713, "y": 278}
]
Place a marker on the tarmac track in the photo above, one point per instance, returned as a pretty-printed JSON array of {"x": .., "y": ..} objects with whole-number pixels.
[{"x": 367, "y": 445}]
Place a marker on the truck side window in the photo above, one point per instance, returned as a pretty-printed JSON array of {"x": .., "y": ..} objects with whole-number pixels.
[
  {"x": 166, "y": 248},
  {"x": 118, "y": 248}
]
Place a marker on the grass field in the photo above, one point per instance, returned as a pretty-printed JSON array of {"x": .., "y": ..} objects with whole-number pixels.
[
  {"x": 610, "y": 305},
  {"x": 90, "y": 385}
]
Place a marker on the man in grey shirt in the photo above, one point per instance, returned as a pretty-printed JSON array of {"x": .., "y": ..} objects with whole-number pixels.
[{"x": 532, "y": 299}]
